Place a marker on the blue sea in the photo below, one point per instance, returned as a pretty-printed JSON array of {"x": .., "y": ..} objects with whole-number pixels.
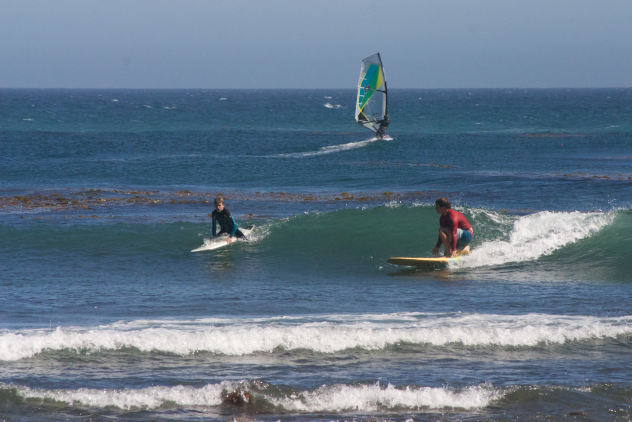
[{"x": 106, "y": 314}]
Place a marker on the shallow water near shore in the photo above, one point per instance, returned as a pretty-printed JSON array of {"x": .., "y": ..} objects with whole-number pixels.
[{"x": 106, "y": 314}]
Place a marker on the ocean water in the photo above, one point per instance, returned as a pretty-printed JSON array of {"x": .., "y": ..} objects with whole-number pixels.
[{"x": 106, "y": 314}]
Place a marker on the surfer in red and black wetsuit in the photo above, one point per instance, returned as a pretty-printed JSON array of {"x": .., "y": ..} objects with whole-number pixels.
[{"x": 455, "y": 231}]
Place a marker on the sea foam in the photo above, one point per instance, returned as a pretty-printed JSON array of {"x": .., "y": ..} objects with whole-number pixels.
[
  {"x": 536, "y": 235},
  {"x": 145, "y": 398},
  {"x": 320, "y": 335},
  {"x": 328, "y": 398},
  {"x": 373, "y": 398}
]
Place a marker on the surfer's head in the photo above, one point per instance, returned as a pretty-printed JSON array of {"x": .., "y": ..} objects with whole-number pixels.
[
  {"x": 443, "y": 202},
  {"x": 219, "y": 203}
]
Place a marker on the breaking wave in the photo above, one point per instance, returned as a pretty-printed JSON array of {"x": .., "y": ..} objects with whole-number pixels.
[
  {"x": 320, "y": 334},
  {"x": 536, "y": 235},
  {"x": 328, "y": 398}
]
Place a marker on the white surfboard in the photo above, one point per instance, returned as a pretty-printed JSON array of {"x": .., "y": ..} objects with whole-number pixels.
[{"x": 220, "y": 241}]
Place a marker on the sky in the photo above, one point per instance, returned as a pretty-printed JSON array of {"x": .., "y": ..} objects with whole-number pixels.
[{"x": 314, "y": 44}]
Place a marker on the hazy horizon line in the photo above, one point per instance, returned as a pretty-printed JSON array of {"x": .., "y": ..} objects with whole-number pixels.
[{"x": 305, "y": 89}]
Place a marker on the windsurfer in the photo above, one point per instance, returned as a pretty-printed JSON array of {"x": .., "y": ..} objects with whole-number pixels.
[{"x": 383, "y": 125}]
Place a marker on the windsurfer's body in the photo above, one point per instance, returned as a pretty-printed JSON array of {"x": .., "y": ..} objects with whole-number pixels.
[{"x": 383, "y": 124}]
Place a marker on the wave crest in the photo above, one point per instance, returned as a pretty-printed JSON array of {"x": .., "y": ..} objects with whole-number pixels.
[
  {"x": 536, "y": 235},
  {"x": 328, "y": 398},
  {"x": 238, "y": 338}
]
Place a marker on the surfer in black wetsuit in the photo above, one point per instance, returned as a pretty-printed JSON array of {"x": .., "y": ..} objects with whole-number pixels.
[
  {"x": 383, "y": 125},
  {"x": 226, "y": 221}
]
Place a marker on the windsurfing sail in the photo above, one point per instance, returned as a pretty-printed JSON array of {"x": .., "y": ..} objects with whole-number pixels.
[{"x": 372, "y": 95}]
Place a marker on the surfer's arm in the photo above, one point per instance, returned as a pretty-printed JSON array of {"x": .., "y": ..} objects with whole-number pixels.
[
  {"x": 435, "y": 250},
  {"x": 229, "y": 239},
  {"x": 232, "y": 233},
  {"x": 455, "y": 226},
  {"x": 214, "y": 226}
]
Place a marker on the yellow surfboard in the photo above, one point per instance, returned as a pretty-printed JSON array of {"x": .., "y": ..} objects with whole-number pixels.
[{"x": 421, "y": 262}]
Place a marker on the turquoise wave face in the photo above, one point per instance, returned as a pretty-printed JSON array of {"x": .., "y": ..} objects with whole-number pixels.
[
  {"x": 358, "y": 241},
  {"x": 581, "y": 245}
]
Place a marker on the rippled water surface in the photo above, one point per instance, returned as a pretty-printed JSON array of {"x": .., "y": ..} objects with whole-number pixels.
[{"x": 106, "y": 314}]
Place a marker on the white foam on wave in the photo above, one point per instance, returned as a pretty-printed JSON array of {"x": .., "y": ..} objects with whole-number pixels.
[
  {"x": 373, "y": 398},
  {"x": 329, "y": 398},
  {"x": 257, "y": 234},
  {"x": 329, "y": 149},
  {"x": 394, "y": 203},
  {"x": 328, "y": 105},
  {"x": 145, "y": 398},
  {"x": 319, "y": 334},
  {"x": 536, "y": 235}
]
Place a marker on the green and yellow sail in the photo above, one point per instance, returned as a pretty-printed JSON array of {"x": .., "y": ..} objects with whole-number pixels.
[{"x": 372, "y": 96}]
